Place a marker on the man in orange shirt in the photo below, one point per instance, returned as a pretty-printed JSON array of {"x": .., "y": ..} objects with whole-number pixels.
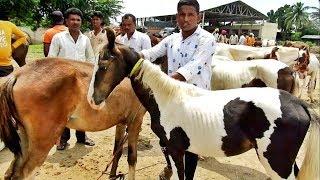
[
  {"x": 250, "y": 40},
  {"x": 57, "y": 22},
  {"x": 7, "y": 29}
]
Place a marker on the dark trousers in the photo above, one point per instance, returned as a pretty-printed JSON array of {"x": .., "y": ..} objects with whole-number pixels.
[
  {"x": 5, "y": 70},
  {"x": 81, "y": 136}
]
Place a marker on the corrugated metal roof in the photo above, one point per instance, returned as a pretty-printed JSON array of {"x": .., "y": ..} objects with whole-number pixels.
[{"x": 311, "y": 37}]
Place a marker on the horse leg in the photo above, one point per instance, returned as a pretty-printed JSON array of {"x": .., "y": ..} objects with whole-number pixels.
[
  {"x": 177, "y": 156},
  {"x": 19, "y": 159},
  {"x": 312, "y": 87},
  {"x": 133, "y": 134},
  {"x": 120, "y": 131},
  {"x": 37, "y": 144},
  {"x": 178, "y": 143},
  {"x": 191, "y": 161}
]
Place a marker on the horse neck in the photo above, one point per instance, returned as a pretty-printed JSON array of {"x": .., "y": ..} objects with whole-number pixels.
[
  {"x": 163, "y": 87},
  {"x": 146, "y": 98}
]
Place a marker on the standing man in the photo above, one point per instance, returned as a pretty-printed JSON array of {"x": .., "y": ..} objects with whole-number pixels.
[
  {"x": 233, "y": 39},
  {"x": 7, "y": 29},
  {"x": 250, "y": 40},
  {"x": 57, "y": 26},
  {"x": 133, "y": 38},
  {"x": 189, "y": 57},
  {"x": 97, "y": 36},
  {"x": 190, "y": 51},
  {"x": 242, "y": 40},
  {"x": 74, "y": 45}
]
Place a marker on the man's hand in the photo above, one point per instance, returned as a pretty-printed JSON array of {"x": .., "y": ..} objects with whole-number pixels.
[{"x": 178, "y": 77}]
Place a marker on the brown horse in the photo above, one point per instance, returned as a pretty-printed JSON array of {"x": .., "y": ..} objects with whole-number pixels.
[{"x": 38, "y": 100}]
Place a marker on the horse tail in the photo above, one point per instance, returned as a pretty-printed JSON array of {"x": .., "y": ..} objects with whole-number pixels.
[
  {"x": 310, "y": 168},
  {"x": 9, "y": 117}
]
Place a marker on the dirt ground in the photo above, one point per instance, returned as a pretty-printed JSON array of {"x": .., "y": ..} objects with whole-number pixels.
[{"x": 81, "y": 162}]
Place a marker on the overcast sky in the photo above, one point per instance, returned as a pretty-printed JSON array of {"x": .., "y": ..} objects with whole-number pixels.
[
  {"x": 141, "y": 8},
  {"x": 265, "y": 6}
]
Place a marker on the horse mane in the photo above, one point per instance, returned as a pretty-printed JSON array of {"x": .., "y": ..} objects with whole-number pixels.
[{"x": 163, "y": 85}]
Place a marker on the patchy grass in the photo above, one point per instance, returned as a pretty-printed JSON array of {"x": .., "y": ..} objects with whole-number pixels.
[{"x": 35, "y": 52}]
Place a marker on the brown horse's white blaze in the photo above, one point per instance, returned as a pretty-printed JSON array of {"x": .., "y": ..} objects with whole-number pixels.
[
  {"x": 222, "y": 123},
  {"x": 45, "y": 96}
]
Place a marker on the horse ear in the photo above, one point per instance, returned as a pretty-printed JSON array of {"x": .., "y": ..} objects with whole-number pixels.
[{"x": 111, "y": 35}]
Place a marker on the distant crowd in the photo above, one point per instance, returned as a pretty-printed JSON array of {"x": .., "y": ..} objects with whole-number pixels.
[{"x": 233, "y": 39}]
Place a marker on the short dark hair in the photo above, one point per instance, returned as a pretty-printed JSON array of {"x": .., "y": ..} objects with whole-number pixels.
[
  {"x": 4, "y": 15},
  {"x": 97, "y": 14},
  {"x": 193, "y": 3},
  {"x": 75, "y": 11},
  {"x": 57, "y": 17},
  {"x": 127, "y": 16}
]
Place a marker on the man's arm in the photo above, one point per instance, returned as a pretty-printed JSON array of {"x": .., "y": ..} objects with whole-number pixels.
[
  {"x": 178, "y": 77},
  {"x": 156, "y": 51},
  {"x": 89, "y": 52},
  {"x": 46, "y": 47},
  {"x": 54, "y": 47},
  {"x": 146, "y": 42},
  {"x": 21, "y": 37},
  {"x": 201, "y": 58}
]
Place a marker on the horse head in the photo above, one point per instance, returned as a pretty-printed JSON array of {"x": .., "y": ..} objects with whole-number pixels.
[
  {"x": 302, "y": 62},
  {"x": 114, "y": 64}
]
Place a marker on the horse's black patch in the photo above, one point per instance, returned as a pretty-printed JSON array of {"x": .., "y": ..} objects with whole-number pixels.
[
  {"x": 131, "y": 160},
  {"x": 285, "y": 80},
  {"x": 288, "y": 135},
  {"x": 255, "y": 83},
  {"x": 244, "y": 122},
  {"x": 179, "y": 139}
]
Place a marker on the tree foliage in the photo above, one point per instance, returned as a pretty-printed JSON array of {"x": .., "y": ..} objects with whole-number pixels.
[
  {"x": 35, "y": 13},
  {"x": 297, "y": 18}
]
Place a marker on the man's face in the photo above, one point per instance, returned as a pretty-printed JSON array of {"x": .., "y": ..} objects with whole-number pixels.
[
  {"x": 187, "y": 18},
  {"x": 96, "y": 21},
  {"x": 73, "y": 22},
  {"x": 128, "y": 26}
]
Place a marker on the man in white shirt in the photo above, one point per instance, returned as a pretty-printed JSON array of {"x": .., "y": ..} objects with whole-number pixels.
[
  {"x": 242, "y": 40},
  {"x": 189, "y": 55},
  {"x": 72, "y": 44},
  {"x": 190, "y": 51},
  {"x": 97, "y": 36},
  {"x": 233, "y": 39},
  {"x": 133, "y": 38}
]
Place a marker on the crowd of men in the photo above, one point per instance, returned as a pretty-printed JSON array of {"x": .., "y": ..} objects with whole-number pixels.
[{"x": 233, "y": 38}]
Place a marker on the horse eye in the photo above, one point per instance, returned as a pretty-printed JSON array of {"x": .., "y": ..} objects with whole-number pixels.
[{"x": 104, "y": 68}]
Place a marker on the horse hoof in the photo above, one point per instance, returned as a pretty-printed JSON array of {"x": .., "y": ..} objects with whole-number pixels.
[{"x": 165, "y": 174}]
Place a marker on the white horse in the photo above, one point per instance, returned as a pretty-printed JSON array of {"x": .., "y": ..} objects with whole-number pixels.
[{"x": 228, "y": 74}]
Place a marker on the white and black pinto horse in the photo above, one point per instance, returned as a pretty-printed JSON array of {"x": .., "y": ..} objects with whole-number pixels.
[
  {"x": 229, "y": 74},
  {"x": 216, "y": 123}
]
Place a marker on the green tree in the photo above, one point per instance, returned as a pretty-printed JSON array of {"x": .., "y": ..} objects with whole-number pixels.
[
  {"x": 272, "y": 16},
  {"x": 315, "y": 17},
  {"x": 297, "y": 18},
  {"x": 35, "y": 13},
  {"x": 110, "y": 8}
]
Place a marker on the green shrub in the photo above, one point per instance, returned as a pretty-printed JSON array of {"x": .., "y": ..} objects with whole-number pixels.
[{"x": 296, "y": 36}]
